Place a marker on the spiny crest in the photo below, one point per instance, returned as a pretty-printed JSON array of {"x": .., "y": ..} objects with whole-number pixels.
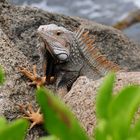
[{"x": 93, "y": 55}]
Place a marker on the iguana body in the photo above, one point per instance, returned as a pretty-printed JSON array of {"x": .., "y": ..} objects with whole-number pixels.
[
  {"x": 66, "y": 55},
  {"x": 71, "y": 54}
]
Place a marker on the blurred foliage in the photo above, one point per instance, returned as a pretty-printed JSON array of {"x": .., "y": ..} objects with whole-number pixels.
[
  {"x": 1, "y": 75},
  {"x": 59, "y": 121},
  {"x": 49, "y": 138},
  {"x": 115, "y": 113},
  {"x": 114, "y": 116},
  {"x": 15, "y": 130}
]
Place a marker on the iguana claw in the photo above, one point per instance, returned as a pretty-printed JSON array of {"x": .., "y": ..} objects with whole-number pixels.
[
  {"x": 35, "y": 117},
  {"x": 36, "y": 80}
]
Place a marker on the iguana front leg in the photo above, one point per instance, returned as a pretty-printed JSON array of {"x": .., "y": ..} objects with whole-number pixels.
[
  {"x": 36, "y": 80},
  {"x": 34, "y": 116}
]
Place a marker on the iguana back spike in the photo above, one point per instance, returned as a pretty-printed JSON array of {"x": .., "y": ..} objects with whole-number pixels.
[
  {"x": 85, "y": 34},
  {"x": 79, "y": 33},
  {"x": 93, "y": 55}
]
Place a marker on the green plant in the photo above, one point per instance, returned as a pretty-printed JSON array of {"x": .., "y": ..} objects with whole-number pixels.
[
  {"x": 1, "y": 75},
  {"x": 115, "y": 113},
  {"x": 59, "y": 121},
  {"x": 15, "y": 130}
]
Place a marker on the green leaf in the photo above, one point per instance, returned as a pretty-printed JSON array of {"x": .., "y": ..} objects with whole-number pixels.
[
  {"x": 125, "y": 103},
  {"x": 122, "y": 110},
  {"x": 49, "y": 138},
  {"x": 3, "y": 123},
  {"x": 104, "y": 96},
  {"x": 136, "y": 130},
  {"x": 132, "y": 138},
  {"x": 1, "y": 76},
  {"x": 16, "y": 130},
  {"x": 101, "y": 130},
  {"x": 59, "y": 121},
  {"x": 115, "y": 113}
]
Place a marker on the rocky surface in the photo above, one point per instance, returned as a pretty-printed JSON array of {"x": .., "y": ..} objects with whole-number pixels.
[
  {"x": 20, "y": 24},
  {"x": 82, "y": 97},
  {"x": 15, "y": 89},
  {"x": 19, "y": 47}
]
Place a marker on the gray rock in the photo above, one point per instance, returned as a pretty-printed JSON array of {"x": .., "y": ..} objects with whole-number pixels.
[
  {"x": 82, "y": 97},
  {"x": 20, "y": 24},
  {"x": 15, "y": 89},
  {"x": 19, "y": 47}
]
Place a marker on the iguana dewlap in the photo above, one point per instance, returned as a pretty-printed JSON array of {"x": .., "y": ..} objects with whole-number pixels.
[{"x": 67, "y": 55}]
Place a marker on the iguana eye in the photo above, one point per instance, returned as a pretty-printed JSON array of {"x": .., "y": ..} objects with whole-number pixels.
[{"x": 58, "y": 33}]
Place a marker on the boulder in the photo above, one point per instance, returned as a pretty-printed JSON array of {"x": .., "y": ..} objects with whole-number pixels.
[
  {"x": 82, "y": 97},
  {"x": 20, "y": 25}
]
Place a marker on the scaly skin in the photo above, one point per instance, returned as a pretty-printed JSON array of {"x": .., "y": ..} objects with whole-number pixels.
[
  {"x": 74, "y": 54},
  {"x": 66, "y": 55}
]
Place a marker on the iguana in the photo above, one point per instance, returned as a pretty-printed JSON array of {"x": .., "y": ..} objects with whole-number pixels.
[{"x": 66, "y": 55}]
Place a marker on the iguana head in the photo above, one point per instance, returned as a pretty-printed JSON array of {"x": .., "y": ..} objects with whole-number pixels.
[
  {"x": 57, "y": 50},
  {"x": 57, "y": 40}
]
